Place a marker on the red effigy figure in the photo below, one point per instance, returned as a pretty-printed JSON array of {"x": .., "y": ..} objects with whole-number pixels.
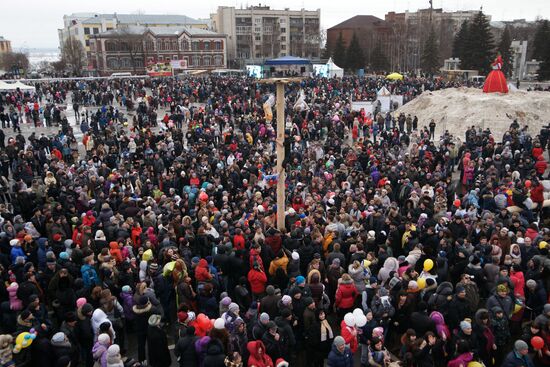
[{"x": 496, "y": 81}]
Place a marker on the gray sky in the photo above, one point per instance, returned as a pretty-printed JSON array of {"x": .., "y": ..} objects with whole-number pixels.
[{"x": 34, "y": 23}]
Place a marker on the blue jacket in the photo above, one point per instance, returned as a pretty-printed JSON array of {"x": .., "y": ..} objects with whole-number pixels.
[
  {"x": 15, "y": 252},
  {"x": 337, "y": 359},
  {"x": 41, "y": 253},
  {"x": 514, "y": 359},
  {"x": 89, "y": 276}
]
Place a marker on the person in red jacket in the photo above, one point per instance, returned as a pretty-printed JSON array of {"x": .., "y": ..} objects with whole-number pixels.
[
  {"x": 258, "y": 357},
  {"x": 238, "y": 240},
  {"x": 537, "y": 150},
  {"x": 345, "y": 295},
  {"x": 349, "y": 332},
  {"x": 536, "y": 192},
  {"x": 257, "y": 280},
  {"x": 541, "y": 166},
  {"x": 115, "y": 251},
  {"x": 202, "y": 273}
]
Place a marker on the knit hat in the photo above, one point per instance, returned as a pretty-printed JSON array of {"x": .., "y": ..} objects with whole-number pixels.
[
  {"x": 28, "y": 238},
  {"x": 104, "y": 339},
  {"x": 281, "y": 363},
  {"x": 64, "y": 255},
  {"x": 87, "y": 308},
  {"x": 264, "y": 318},
  {"x": 99, "y": 235},
  {"x": 153, "y": 266},
  {"x": 520, "y": 345},
  {"x": 226, "y": 301},
  {"x": 459, "y": 289},
  {"x": 58, "y": 337},
  {"x": 142, "y": 301},
  {"x": 295, "y": 256},
  {"x": 233, "y": 307},
  {"x": 308, "y": 301},
  {"x": 300, "y": 280},
  {"x": 286, "y": 300},
  {"x": 339, "y": 341},
  {"x": 182, "y": 316},
  {"x": 465, "y": 325},
  {"x": 126, "y": 289},
  {"x": 81, "y": 302},
  {"x": 531, "y": 283},
  {"x": 285, "y": 312},
  {"x": 56, "y": 237},
  {"x": 502, "y": 288},
  {"x": 270, "y": 290},
  {"x": 113, "y": 350},
  {"x": 413, "y": 284}
]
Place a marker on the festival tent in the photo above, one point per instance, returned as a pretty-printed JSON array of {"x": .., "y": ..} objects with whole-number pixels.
[
  {"x": 24, "y": 87},
  {"x": 384, "y": 97},
  {"x": 6, "y": 87},
  {"x": 395, "y": 76},
  {"x": 287, "y": 60},
  {"x": 334, "y": 70}
]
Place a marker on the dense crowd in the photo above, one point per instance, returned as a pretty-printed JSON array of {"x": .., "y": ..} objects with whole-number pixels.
[{"x": 159, "y": 227}]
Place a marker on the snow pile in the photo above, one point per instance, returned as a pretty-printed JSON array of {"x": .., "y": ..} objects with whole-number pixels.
[{"x": 456, "y": 109}]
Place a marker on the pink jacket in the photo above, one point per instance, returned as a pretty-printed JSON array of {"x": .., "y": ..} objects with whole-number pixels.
[{"x": 15, "y": 303}]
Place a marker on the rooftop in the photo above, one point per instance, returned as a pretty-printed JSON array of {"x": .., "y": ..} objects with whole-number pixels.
[
  {"x": 160, "y": 31},
  {"x": 359, "y": 21},
  {"x": 143, "y": 19}
]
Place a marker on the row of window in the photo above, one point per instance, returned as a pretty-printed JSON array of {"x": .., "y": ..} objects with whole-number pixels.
[
  {"x": 114, "y": 63},
  {"x": 164, "y": 45}
]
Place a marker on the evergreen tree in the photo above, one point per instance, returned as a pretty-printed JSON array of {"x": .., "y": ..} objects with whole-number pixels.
[
  {"x": 430, "y": 54},
  {"x": 541, "y": 43},
  {"x": 459, "y": 42},
  {"x": 355, "y": 59},
  {"x": 479, "y": 45},
  {"x": 378, "y": 60},
  {"x": 339, "y": 52},
  {"x": 544, "y": 68},
  {"x": 506, "y": 52}
]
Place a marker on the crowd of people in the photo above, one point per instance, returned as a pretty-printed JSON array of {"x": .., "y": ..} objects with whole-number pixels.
[{"x": 158, "y": 227}]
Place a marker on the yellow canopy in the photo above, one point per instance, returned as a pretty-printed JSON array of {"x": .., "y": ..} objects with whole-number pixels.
[{"x": 395, "y": 76}]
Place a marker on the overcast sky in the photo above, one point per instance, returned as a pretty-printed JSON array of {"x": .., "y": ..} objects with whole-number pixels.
[{"x": 34, "y": 23}]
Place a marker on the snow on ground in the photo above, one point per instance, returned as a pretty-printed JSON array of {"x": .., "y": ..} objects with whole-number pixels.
[{"x": 456, "y": 109}]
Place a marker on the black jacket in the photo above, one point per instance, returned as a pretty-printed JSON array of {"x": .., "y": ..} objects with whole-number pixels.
[
  {"x": 185, "y": 351},
  {"x": 215, "y": 355},
  {"x": 157, "y": 343}
]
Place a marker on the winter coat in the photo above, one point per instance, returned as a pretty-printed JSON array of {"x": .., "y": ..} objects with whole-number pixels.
[
  {"x": 127, "y": 304},
  {"x": 215, "y": 354},
  {"x": 358, "y": 276},
  {"x": 257, "y": 280},
  {"x": 345, "y": 294},
  {"x": 421, "y": 323},
  {"x": 340, "y": 359},
  {"x": 391, "y": 264},
  {"x": 89, "y": 276},
  {"x": 459, "y": 309},
  {"x": 99, "y": 353},
  {"x": 506, "y": 304},
  {"x": 15, "y": 303},
  {"x": 514, "y": 359},
  {"x": 201, "y": 271},
  {"x": 441, "y": 299},
  {"x": 157, "y": 344},
  {"x": 185, "y": 351},
  {"x": 347, "y": 334},
  {"x": 256, "y": 359}
]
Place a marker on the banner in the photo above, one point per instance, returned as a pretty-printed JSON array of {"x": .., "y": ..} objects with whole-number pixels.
[
  {"x": 178, "y": 64},
  {"x": 159, "y": 69}
]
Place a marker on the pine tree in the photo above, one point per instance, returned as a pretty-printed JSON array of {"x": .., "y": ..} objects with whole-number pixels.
[
  {"x": 378, "y": 60},
  {"x": 506, "y": 52},
  {"x": 479, "y": 45},
  {"x": 459, "y": 42},
  {"x": 355, "y": 58},
  {"x": 430, "y": 54},
  {"x": 541, "y": 41},
  {"x": 339, "y": 52}
]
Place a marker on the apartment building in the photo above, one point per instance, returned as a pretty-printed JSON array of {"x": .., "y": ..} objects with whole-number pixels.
[
  {"x": 5, "y": 45},
  {"x": 257, "y": 33}
]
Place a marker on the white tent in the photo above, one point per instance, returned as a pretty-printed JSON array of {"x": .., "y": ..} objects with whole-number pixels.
[
  {"x": 384, "y": 97},
  {"x": 334, "y": 71},
  {"x": 23, "y": 87},
  {"x": 7, "y": 87}
]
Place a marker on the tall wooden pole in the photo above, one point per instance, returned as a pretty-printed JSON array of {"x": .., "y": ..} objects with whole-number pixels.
[{"x": 280, "y": 155}]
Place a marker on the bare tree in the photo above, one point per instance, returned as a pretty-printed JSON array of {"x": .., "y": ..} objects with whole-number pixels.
[
  {"x": 73, "y": 55},
  {"x": 16, "y": 62},
  {"x": 134, "y": 44}
]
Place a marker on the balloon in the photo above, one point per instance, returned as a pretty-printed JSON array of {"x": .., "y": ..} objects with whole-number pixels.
[
  {"x": 23, "y": 340},
  {"x": 203, "y": 196},
  {"x": 474, "y": 364},
  {"x": 528, "y": 183},
  {"x": 147, "y": 255},
  {"x": 357, "y": 313},
  {"x": 457, "y": 203},
  {"x": 537, "y": 342},
  {"x": 349, "y": 319},
  {"x": 361, "y": 321},
  {"x": 428, "y": 264},
  {"x": 219, "y": 324},
  {"x": 421, "y": 282}
]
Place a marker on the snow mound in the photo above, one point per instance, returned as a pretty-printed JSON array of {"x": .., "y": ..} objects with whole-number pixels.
[{"x": 456, "y": 109}]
